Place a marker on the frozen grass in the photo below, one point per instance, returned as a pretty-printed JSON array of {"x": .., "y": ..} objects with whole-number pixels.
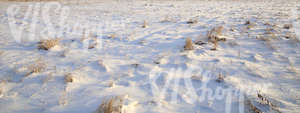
[
  {"x": 188, "y": 44},
  {"x": 69, "y": 78},
  {"x": 112, "y": 105},
  {"x": 48, "y": 44},
  {"x": 191, "y": 21},
  {"x": 145, "y": 24},
  {"x": 264, "y": 101},
  {"x": 252, "y": 107},
  {"x": 38, "y": 66},
  {"x": 288, "y": 26},
  {"x": 215, "y": 35},
  {"x": 220, "y": 78}
]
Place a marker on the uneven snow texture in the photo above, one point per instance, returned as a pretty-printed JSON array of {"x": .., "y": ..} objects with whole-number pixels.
[{"x": 150, "y": 36}]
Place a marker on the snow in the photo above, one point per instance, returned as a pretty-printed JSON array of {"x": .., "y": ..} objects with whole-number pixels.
[{"x": 137, "y": 63}]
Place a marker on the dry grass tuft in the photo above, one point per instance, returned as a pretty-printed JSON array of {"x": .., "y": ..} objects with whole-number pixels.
[
  {"x": 113, "y": 35},
  {"x": 69, "y": 78},
  {"x": 94, "y": 43},
  {"x": 265, "y": 101},
  {"x": 247, "y": 22},
  {"x": 200, "y": 42},
  {"x": 111, "y": 84},
  {"x": 48, "y": 44},
  {"x": 188, "y": 44},
  {"x": 135, "y": 65},
  {"x": 145, "y": 24},
  {"x": 215, "y": 35},
  {"x": 288, "y": 26},
  {"x": 192, "y": 21},
  {"x": 112, "y": 105},
  {"x": 253, "y": 108},
  {"x": 220, "y": 78},
  {"x": 271, "y": 33},
  {"x": 37, "y": 67}
]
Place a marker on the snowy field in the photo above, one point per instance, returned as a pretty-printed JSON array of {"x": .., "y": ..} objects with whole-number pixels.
[{"x": 137, "y": 56}]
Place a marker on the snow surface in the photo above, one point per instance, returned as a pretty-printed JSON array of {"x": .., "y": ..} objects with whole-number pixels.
[{"x": 129, "y": 52}]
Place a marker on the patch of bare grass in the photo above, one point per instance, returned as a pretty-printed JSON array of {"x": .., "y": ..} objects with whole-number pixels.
[
  {"x": 252, "y": 107},
  {"x": 48, "y": 44},
  {"x": 69, "y": 78},
  {"x": 145, "y": 24},
  {"x": 249, "y": 24},
  {"x": 188, "y": 44},
  {"x": 265, "y": 101},
  {"x": 111, "y": 105},
  {"x": 220, "y": 78},
  {"x": 287, "y": 26},
  {"x": 191, "y": 21},
  {"x": 38, "y": 66},
  {"x": 215, "y": 35}
]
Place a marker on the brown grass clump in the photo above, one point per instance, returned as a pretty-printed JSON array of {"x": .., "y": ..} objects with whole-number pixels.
[
  {"x": 112, "y": 105},
  {"x": 113, "y": 35},
  {"x": 37, "y": 67},
  {"x": 220, "y": 78},
  {"x": 111, "y": 84},
  {"x": 145, "y": 24},
  {"x": 135, "y": 65},
  {"x": 247, "y": 22},
  {"x": 48, "y": 44},
  {"x": 287, "y": 26},
  {"x": 253, "y": 108},
  {"x": 269, "y": 31},
  {"x": 215, "y": 35},
  {"x": 69, "y": 78},
  {"x": 192, "y": 21},
  {"x": 188, "y": 44},
  {"x": 265, "y": 101}
]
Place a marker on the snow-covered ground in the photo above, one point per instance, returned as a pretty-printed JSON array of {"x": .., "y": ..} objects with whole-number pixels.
[{"x": 135, "y": 50}]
